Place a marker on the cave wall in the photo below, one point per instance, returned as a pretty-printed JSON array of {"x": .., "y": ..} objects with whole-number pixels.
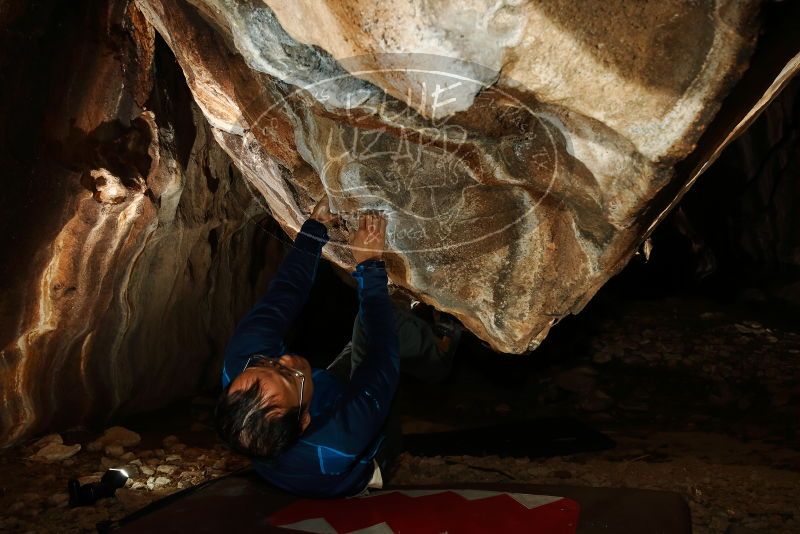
[
  {"x": 129, "y": 238},
  {"x": 754, "y": 235}
]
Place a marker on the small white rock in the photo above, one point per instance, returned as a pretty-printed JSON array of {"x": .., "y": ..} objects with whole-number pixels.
[
  {"x": 166, "y": 469},
  {"x": 55, "y": 452},
  {"x": 114, "y": 450},
  {"x": 47, "y": 440},
  {"x": 116, "y": 435}
]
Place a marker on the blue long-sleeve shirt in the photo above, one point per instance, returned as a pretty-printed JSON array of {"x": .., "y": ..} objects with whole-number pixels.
[{"x": 334, "y": 456}]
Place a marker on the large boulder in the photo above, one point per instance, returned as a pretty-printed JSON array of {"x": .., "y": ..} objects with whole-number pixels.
[{"x": 517, "y": 146}]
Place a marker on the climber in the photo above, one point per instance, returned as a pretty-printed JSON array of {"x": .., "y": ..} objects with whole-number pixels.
[{"x": 323, "y": 432}]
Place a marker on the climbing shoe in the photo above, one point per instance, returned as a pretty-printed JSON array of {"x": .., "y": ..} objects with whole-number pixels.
[{"x": 449, "y": 330}]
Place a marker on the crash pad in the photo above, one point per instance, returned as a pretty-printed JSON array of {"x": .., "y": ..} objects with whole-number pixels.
[
  {"x": 434, "y": 511},
  {"x": 242, "y": 502}
]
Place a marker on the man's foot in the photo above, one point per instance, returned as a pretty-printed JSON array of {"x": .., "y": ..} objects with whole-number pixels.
[
  {"x": 421, "y": 310},
  {"x": 448, "y": 332}
]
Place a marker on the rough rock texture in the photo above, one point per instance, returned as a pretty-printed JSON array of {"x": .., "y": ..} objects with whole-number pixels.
[
  {"x": 519, "y": 146},
  {"x": 516, "y": 144},
  {"x": 128, "y": 241}
]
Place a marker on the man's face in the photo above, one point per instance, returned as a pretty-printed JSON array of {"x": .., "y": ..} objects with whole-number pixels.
[{"x": 279, "y": 386}]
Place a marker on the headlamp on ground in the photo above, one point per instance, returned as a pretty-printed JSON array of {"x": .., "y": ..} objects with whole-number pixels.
[{"x": 87, "y": 494}]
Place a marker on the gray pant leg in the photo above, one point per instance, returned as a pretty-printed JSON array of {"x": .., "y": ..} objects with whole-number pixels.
[{"x": 419, "y": 355}]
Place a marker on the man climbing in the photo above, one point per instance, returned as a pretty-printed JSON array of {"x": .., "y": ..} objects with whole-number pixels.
[{"x": 315, "y": 432}]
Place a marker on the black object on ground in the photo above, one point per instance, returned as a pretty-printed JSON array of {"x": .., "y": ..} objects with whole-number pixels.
[
  {"x": 538, "y": 438},
  {"x": 88, "y": 494}
]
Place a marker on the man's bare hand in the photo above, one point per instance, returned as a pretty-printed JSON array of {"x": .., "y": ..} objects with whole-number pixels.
[
  {"x": 370, "y": 238},
  {"x": 322, "y": 212}
]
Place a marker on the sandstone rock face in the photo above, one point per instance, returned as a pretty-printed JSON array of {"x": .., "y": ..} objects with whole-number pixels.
[
  {"x": 128, "y": 235},
  {"x": 517, "y": 145}
]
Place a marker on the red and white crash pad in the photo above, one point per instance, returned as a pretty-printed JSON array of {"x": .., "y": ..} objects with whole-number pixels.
[
  {"x": 243, "y": 502},
  {"x": 435, "y": 511}
]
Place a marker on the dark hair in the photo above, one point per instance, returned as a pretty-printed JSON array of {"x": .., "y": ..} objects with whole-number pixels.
[{"x": 243, "y": 421}]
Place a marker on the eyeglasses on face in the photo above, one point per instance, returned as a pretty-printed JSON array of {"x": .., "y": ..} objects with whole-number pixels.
[{"x": 258, "y": 360}]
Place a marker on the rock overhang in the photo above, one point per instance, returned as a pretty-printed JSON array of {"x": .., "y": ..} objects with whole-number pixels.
[{"x": 517, "y": 146}]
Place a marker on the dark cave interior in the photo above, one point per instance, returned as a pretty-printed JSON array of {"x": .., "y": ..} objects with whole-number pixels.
[{"x": 687, "y": 359}]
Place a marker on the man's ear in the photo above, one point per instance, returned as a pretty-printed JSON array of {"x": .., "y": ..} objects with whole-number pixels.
[{"x": 305, "y": 420}]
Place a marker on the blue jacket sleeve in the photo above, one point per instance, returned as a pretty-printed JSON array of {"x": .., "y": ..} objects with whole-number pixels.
[
  {"x": 366, "y": 400},
  {"x": 262, "y": 330}
]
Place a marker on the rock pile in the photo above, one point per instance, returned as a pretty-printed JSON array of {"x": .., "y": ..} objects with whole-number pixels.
[{"x": 36, "y": 497}]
